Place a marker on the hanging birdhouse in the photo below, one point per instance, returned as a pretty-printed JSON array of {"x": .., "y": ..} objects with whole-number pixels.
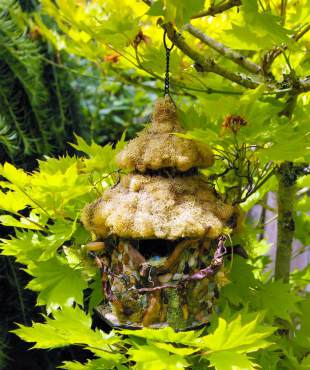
[{"x": 160, "y": 230}]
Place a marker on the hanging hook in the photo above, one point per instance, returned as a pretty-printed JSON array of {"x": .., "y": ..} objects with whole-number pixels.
[
  {"x": 165, "y": 42},
  {"x": 168, "y": 50}
]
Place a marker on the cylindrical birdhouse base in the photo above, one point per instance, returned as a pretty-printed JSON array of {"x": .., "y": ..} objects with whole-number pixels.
[{"x": 145, "y": 290}]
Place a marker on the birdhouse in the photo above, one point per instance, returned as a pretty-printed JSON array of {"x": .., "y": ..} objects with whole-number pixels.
[{"x": 161, "y": 230}]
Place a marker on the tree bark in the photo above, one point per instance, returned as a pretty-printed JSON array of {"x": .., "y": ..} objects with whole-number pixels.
[{"x": 286, "y": 224}]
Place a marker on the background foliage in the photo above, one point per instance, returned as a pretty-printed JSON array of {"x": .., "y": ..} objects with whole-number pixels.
[{"x": 232, "y": 59}]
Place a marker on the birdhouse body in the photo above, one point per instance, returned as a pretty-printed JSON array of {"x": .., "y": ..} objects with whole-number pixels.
[{"x": 160, "y": 226}]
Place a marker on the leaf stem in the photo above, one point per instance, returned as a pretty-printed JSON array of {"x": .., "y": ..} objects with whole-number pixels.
[{"x": 19, "y": 292}]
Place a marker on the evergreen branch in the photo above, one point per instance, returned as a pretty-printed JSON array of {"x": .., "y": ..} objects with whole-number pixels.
[
  {"x": 227, "y": 52},
  {"x": 7, "y": 138},
  {"x": 9, "y": 109}
]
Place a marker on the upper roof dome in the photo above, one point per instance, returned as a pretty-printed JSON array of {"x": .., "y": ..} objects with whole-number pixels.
[{"x": 156, "y": 147}]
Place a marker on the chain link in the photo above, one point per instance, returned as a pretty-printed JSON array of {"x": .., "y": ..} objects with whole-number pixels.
[{"x": 167, "y": 74}]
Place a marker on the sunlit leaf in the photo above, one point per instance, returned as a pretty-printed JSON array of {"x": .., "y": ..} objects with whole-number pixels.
[{"x": 58, "y": 284}]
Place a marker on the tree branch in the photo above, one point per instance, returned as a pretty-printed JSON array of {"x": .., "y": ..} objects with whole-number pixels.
[
  {"x": 204, "y": 64},
  {"x": 213, "y": 10},
  {"x": 206, "y": 90},
  {"x": 224, "y": 50},
  {"x": 148, "y": 2},
  {"x": 286, "y": 222},
  {"x": 303, "y": 85},
  {"x": 272, "y": 54}
]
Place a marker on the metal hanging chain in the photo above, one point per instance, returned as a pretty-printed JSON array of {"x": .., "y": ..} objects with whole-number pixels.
[{"x": 167, "y": 77}]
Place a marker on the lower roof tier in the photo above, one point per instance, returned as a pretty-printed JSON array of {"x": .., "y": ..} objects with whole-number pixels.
[{"x": 149, "y": 207}]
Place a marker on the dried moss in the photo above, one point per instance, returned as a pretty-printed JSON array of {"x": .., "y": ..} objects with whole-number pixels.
[
  {"x": 143, "y": 206},
  {"x": 157, "y": 147}
]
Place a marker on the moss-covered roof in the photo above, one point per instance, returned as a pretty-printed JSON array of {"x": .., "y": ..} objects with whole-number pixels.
[
  {"x": 144, "y": 206},
  {"x": 156, "y": 147}
]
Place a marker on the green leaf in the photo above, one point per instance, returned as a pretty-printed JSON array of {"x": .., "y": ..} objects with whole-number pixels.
[
  {"x": 156, "y": 9},
  {"x": 177, "y": 350},
  {"x": 23, "y": 222},
  {"x": 305, "y": 364},
  {"x": 13, "y": 202},
  {"x": 26, "y": 247},
  {"x": 241, "y": 335},
  {"x": 70, "y": 326},
  {"x": 256, "y": 30},
  {"x": 239, "y": 290},
  {"x": 60, "y": 232},
  {"x": 180, "y": 11},
  {"x": 268, "y": 359},
  {"x": 270, "y": 185},
  {"x": 302, "y": 332},
  {"x": 277, "y": 298},
  {"x": 164, "y": 335},
  {"x": 150, "y": 357},
  {"x": 97, "y": 364},
  {"x": 62, "y": 164},
  {"x": 16, "y": 176},
  {"x": 228, "y": 360},
  {"x": 300, "y": 279},
  {"x": 58, "y": 284},
  {"x": 101, "y": 158},
  {"x": 96, "y": 295}
]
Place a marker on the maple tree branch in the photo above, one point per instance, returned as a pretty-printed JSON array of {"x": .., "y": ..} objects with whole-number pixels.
[
  {"x": 303, "y": 85},
  {"x": 272, "y": 54},
  {"x": 213, "y": 10},
  {"x": 174, "y": 83},
  {"x": 226, "y": 51},
  {"x": 301, "y": 33},
  {"x": 205, "y": 64}
]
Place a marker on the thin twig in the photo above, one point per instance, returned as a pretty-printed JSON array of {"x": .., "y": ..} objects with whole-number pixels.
[
  {"x": 19, "y": 292},
  {"x": 272, "y": 54},
  {"x": 213, "y": 10}
]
